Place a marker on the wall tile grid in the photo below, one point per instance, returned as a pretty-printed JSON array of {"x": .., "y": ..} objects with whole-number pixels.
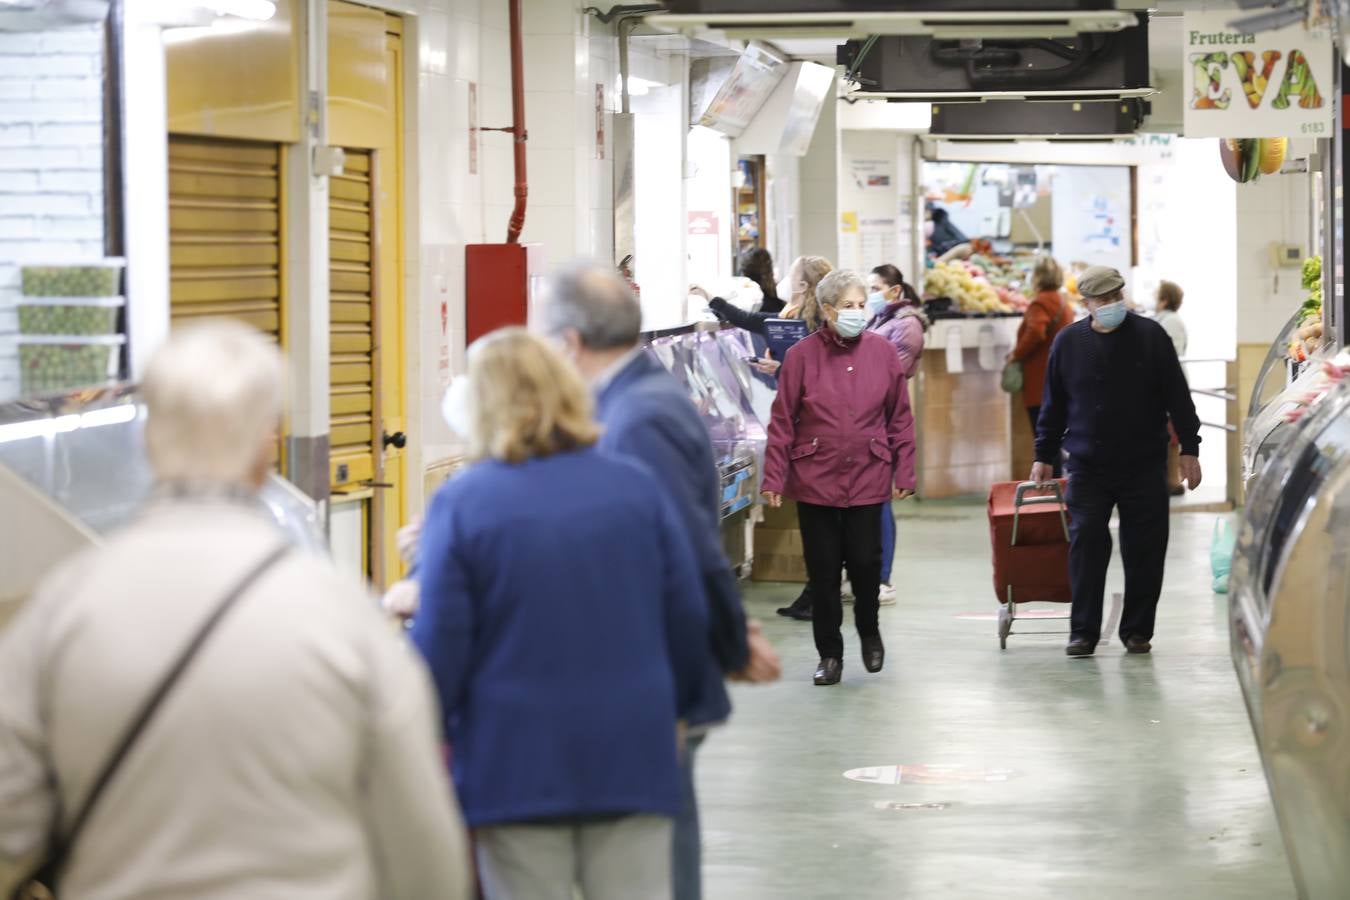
[{"x": 51, "y": 162}]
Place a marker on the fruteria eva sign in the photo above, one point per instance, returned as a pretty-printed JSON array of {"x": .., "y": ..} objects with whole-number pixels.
[{"x": 1272, "y": 84}]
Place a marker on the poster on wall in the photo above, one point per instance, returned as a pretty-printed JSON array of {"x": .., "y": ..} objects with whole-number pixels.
[
  {"x": 1276, "y": 83},
  {"x": 1091, "y": 217}
]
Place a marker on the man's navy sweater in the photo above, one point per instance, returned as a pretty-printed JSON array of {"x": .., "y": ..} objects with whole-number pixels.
[{"x": 1108, "y": 397}]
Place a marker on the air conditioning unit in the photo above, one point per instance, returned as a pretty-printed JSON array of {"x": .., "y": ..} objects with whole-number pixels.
[
  {"x": 952, "y": 19},
  {"x": 1113, "y": 65},
  {"x": 1106, "y": 119}
]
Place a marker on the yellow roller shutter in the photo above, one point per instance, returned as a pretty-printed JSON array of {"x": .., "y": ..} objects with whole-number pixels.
[
  {"x": 225, "y": 231},
  {"x": 351, "y": 277}
]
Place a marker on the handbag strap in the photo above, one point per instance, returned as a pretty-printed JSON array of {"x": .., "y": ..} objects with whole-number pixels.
[{"x": 60, "y": 848}]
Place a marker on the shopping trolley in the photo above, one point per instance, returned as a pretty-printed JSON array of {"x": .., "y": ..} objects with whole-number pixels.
[{"x": 1029, "y": 534}]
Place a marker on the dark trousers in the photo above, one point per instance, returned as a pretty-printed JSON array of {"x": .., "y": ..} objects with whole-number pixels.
[
  {"x": 1034, "y": 413},
  {"x": 834, "y": 537},
  {"x": 1141, "y": 497}
]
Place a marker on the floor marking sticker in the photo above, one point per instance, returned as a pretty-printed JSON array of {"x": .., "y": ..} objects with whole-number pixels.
[{"x": 929, "y": 774}]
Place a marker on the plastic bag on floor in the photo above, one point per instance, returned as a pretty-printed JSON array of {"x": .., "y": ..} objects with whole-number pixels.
[{"x": 1221, "y": 554}]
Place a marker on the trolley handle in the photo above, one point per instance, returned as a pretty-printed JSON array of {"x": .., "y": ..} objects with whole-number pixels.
[{"x": 1056, "y": 497}]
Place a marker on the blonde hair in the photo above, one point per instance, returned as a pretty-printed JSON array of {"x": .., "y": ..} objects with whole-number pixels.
[
  {"x": 1047, "y": 276},
  {"x": 213, "y": 402},
  {"x": 813, "y": 269},
  {"x": 525, "y": 401},
  {"x": 1170, "y": 294}
]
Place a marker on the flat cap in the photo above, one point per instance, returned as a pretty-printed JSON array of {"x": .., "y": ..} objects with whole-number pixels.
[{"x": 1098, "y": 281}]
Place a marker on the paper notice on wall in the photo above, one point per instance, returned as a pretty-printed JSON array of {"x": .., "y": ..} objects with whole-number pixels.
[
  {"x": 848, "y": 222},
  {"x": 879, "y": 241},
  {"x": 872, "y": 174},
  {"x": 703, "y": 243}
]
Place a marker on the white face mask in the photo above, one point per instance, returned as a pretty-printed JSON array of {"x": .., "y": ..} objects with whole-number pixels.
[
  {"x": 455, "y": 406},
  {"x": 849, "y": 323},
  {"x": 784, "y": 289}
]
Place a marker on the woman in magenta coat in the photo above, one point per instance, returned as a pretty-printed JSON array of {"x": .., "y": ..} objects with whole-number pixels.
[{"x": 841, "y": 443}]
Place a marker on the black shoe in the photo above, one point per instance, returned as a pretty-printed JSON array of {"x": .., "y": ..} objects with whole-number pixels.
[
  {"x": 1080, "y": 647},
  {"x": 873, "y": 653},
  {"x": 829, "y": 671},
  {"x": 1137, "y": 645},
  {"x": 800, "y": 608}
]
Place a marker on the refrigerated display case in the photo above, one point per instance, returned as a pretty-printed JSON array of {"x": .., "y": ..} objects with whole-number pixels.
[
  {"x": 73, "y": 469},
  {"x": 1279, "y": 385},
  {"x": 1290, "y": 633}
]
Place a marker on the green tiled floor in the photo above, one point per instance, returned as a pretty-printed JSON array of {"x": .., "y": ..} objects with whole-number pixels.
[{"x": 1130, "y": 777}]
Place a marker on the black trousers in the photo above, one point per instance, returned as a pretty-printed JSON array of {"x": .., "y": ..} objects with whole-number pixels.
[
  {"x": 834, "y": 537},
  {"x": 1141, "y": 496},
  {"x": 1034, "y": 413}
]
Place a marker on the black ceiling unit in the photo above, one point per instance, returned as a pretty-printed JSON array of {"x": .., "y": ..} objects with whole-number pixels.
[
  {"x": 1064, "y": 119},
  {"x": 916, "y": 67}
]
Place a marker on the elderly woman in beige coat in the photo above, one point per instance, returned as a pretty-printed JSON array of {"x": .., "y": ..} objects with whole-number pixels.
[{"x": 296, "y": 757}]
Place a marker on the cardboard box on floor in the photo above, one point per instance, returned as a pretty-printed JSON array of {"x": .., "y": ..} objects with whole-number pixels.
[
  {"x": 781, "y": 518},
  {"x": 778, "y": 556}
]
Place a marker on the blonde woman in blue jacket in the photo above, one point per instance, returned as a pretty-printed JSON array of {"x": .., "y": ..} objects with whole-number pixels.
[{"x": 564, "y": 622}]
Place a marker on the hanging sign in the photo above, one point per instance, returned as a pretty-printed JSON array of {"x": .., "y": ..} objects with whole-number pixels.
[{"x": 1276, "y": 83}]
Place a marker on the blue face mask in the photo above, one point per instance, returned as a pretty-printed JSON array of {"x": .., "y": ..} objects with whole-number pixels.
[
  {"x": 850, "y": 323},
  {"x": 876, "y": 303},
  {"x": 1111, "y": 315}
]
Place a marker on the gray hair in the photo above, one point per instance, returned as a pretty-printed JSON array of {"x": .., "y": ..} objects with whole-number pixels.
[
  {"x": 835, "y": 285},
  {"x": 213, "y": 401},
  {"x": 597, "y": 303}
]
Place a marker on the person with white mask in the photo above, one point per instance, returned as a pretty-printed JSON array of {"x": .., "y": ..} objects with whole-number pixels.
[
  {"x": 648, "y": 418},
  {"x": 1112, "y": 382},
  {"x": 563, "y": 619}
]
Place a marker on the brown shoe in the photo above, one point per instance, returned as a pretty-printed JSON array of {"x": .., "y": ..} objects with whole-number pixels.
[
  {"x": 1137, "y": 645},
  {"x": 829, "y": 671}
]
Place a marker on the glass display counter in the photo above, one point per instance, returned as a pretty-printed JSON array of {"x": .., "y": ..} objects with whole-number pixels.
[
  {"x": 1289, "y": 620},
  {"x": 73, "y": 468}
]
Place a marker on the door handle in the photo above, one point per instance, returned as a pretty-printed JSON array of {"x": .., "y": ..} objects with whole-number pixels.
[{"x": 398, "y": 440}]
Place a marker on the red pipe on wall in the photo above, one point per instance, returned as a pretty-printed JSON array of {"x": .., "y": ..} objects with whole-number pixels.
[{"x": 518, "y": 124}]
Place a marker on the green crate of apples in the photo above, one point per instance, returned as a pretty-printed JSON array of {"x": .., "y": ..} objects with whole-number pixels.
[
  {"x": 71, "y": 281},
  {"x": 65, "y": 315},
  {"x": 51, "y": 367}
]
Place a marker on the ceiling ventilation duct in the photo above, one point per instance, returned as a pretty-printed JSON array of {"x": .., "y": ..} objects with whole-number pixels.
[
  {"x": 953, "y": 19},
  {"x": 726, "y": 92},
  {"x": 1089, "y": 65}
]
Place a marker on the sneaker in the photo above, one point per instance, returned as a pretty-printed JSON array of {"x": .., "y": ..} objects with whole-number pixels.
[
  {"x": 886, "y": 596},
  {"x": 846, "y": 592}
]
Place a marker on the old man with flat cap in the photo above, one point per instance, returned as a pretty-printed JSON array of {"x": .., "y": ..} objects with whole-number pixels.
[{"x": 1112, "y": 383}]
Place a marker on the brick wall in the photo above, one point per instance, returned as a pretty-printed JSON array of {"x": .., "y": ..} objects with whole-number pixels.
[{"x": 51, "y": 162}]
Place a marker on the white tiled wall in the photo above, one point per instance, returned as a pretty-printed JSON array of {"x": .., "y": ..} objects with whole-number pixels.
[
  {"x": 51, "y": 161},
  {"x": 1274, "y": 209},
  {"x": 467, "y": 42}
]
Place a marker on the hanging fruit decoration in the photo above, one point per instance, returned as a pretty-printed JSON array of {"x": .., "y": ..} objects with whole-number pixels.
[{"x": 1247, "y": 159}]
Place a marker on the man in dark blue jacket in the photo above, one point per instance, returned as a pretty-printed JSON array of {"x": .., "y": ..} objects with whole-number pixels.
[
  {"x": 1111, "y": 384},
  {"x": 648, "y": 417}
]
